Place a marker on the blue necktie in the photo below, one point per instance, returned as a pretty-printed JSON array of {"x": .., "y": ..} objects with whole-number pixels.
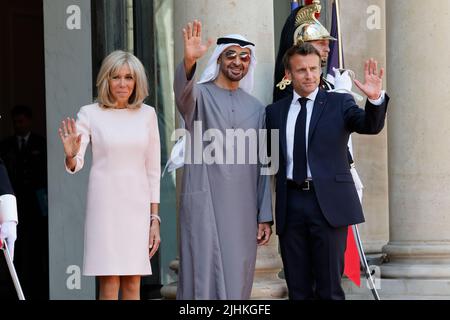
[{"x": 299, "y": 172}]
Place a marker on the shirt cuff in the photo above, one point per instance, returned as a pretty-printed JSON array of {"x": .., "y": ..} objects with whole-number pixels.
[{"x": 380, "y": 100}]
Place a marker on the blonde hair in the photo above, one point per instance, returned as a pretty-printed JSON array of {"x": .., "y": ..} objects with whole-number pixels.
[{"x": 110, "y": 67}]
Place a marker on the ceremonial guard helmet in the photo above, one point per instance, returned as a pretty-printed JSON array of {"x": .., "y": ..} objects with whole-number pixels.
[{"x": 307, "y": 27}]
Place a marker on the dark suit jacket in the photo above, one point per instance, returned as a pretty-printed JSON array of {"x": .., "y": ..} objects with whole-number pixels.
[{"x": 335, "y": 116}]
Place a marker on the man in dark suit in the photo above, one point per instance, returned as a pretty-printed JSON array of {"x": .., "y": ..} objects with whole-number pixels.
[{"x": 316, "y": 198}]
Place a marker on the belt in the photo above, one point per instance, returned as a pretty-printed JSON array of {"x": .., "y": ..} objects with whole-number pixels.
[{"x": 306, "y": 185}]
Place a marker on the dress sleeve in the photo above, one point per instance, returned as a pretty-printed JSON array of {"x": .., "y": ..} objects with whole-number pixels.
[
  {"x": 264, "y": 192},
  {"x": 83, "y": 128},
  {"x": 153, "y": 160}
]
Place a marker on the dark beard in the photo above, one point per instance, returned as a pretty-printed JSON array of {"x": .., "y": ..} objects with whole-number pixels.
[{"x": 226, "y": 71}]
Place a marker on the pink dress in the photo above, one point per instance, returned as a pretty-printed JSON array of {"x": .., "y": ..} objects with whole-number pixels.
[{"x": 123, "y": 181}]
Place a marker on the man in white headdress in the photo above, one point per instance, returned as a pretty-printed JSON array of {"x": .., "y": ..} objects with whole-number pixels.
[{"x": 225, "y": 207}]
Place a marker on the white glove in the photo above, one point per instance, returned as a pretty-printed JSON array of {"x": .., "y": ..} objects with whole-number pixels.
[
  {"x": 8, "y": 208},
  {"x": 8, "y": 232},
  {"x": 343, "y": 82}
]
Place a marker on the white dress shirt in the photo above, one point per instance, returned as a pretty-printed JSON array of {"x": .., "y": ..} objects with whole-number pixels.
[
  {"x": 22, "y": 141},
  {"x": 294, "y": 110}
]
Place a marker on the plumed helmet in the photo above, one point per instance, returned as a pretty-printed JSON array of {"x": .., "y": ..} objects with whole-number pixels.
[{"x": 307, "y": 27}]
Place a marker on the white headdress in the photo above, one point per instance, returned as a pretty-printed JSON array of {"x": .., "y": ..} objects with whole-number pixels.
[{"x": 212, "y": 69}]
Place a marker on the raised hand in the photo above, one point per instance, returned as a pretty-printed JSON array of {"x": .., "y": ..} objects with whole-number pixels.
[
  {"x": 264, "y": 232},
  {"x": 69, "y": 137},
  {"x": 373, "y": 80},
  {"x": 194, "y": 49}
]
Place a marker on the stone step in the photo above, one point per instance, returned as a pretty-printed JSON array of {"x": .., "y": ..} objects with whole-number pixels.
[{"x": 400, "y": 289}]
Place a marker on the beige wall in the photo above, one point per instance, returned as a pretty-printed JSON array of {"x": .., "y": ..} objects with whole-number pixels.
[{"x": 419, "y": 152}]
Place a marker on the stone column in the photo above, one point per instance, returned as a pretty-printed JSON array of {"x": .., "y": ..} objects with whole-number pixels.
[
  {"x": 254, "y": 20},
  {"x": 68, "y": 84},
  {"x": 418, "y": 43},
  {"x": 364, "y": 36}
]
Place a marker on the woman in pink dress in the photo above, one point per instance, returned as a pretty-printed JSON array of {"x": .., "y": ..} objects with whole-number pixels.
[{"x": 122, "y": 219}]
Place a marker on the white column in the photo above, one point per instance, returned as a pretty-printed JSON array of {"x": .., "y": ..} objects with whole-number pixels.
[
  {"x": 418, "y": 75},
  {"x": 419, "y": 78},
  {"x": 419, "y": 170}
]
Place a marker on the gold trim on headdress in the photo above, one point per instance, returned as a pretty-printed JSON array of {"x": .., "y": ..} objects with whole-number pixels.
[
  {"x": 307, "y": 28},
  {"x": 283, "y": 83}
]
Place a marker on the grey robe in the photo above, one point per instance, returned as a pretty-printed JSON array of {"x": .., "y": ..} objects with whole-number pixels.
[{"x": 221, "y": 204}]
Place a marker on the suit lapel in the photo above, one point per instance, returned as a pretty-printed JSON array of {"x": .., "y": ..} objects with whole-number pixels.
[
  {"x": 284, "y": 110},
  {"x": 319, "y": 106}
]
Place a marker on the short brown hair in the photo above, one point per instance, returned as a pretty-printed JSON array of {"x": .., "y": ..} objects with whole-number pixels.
[
  {"x": 110, "y": 66},
  {"x": 303, "y": 49}
]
